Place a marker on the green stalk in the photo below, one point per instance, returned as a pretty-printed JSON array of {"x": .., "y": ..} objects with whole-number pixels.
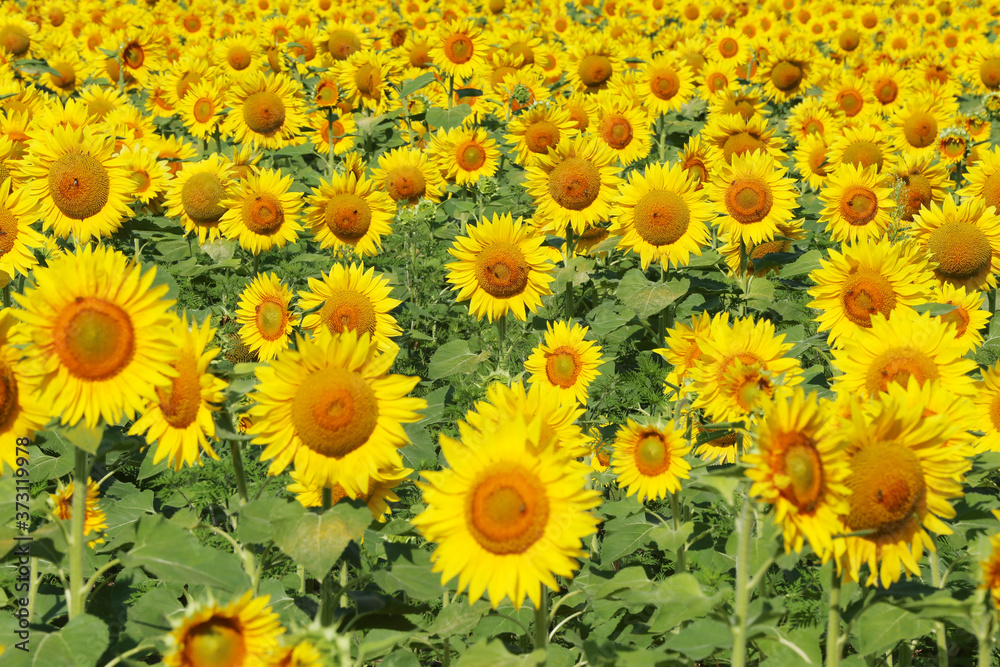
[
  {"x": 502, "y": 333},
  {"x": 905, "y": 654},
  {"x": 326, "y": 608},
  {"x": 241, "y": 476},
  {"x": 329, "y": 128},
  {"x": 742, "y": 586},
  {"x": 76, "y": 594},
  {"x": 675, "y": 510},
  {"x": 982, "y": 620},
  {"x": 446, "y": 658},
  {"x": 940, "y": 633},
  {"x": 570, "y": 249},
  {"x": 541, "y": 639},
  {"x": 6, "y": 295},
  {"x": 833, "y": 623}
]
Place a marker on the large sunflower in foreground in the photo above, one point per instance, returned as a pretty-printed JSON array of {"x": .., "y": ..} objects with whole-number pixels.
[
  {"x": 754, "y": 195},
  {"x": 501, "y": 267},
  {"x": 264, "y": 110},
  {"x": 350, "y": 211},
  {"x": 95, "y": 519},
  {"x": 648, "y": 459},
  {"x": 663, "y": 216},
  {"x": 82, "y": 187},
  {"x": 799, "y": 468},
  {"x": 196, "y": 195},
  {"x": 179, "y": 420},
  {"x": 565, "y": 361},
  {"x": 506, "y": 515},
  {"x": 98, "y": 335},
  {"x": 867, "y": 278},
  {"x": 242, "y": 633},
  {"x": 261, "y": 212},
  {"x": 903, "y": 346},
  {"x": 902, "y": 474},
  {"x": 962, "y": 241},
  {"x": 856, "y": 205},
  {"x": 21, "y": 413},
  {"x": 574, "y": 184}
]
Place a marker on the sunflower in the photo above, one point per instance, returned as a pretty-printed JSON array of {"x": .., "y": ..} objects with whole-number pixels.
[
  {"x": 810, "y": 117},
  {"x": 718, "y": 78},
  {"x": 330, "y": 406},
  {"x": 506, "y": 515},
  {"x": 264, "y": 315},
  {"x": 662, "y": 216},
  {"x": 261, "y": 212},
  {"x": 916, "y": 124},
  {"x": 149, "y": 175},
  {"x": 755, "y": 196},
  {"x": 264, "y": 110},
  {"x": 501, "y": 267},
  {"x": 21, "y": 413},
  {"x": 179, "y": 420},
  {"x": 740, "y": 367},
  {"x": 800, "y": 469},
  {"x": 864, "y": 279},
  {"x": 810, "y": 160},
  {"x": 304, "y": 653},
  {"x": 351, "y": 299},
  {"x": 787, "y": 234},
  {"x": 745, "y": 101},
  {"x": 378, "y": 495},
  {"x": 338, "y": 135},
  {"x": 648, "y": 458},
  {"x": 725, "y": 446},
  {"x": 625, "y": 129},
  {"x": 18, "y": 238},
  {"x": 573, "y": 184},
  {"x": 983, "y": 178},
  {"x": 683, "y": 352},
  {"x": 68, "y": 72},
  {"x": 364, "y": 80},
  {"x": 237, "y": 56},
  {"x": 95, "y": 519},
  {"x": 349, "y": 211},
  {"x": 244, "y": 632},
  {"x": 343, "y": 38},
  {"x": 895, "y": 349},
  {"x": 99, "y": 335},
  {"x": 916, "y": 183},
  {"x": 544, "y": 126},
  {"x": 183, "y": 74},
  {"x": 856, "y": 207},
  {"x": 963, "y": 241},
  {"x": 141, "y": 52},
  {"x": 407, "y": 175},
  {"x": 565, "y": 361},
  {"x": 694, "y": 159},
  {"x": 593, "y": 63},
  {"x": 196, "y": 195},
  {"x": 730, "y": 135},
  {"x": 861, "y": 146},
  {"x": 901, "y": 477},
  {"x": 201, "y": 109},
  {"x": 891, "y": 84},
  {"x": 788, "y": 70},
  {"x": 464, "y": 155},
  {"x": 459, "y": 49},
  {"x": 17, "y": 35},
  {"x": 982, "y": 69},
  {"x": 82, "y": 188},
  {"x": 986, "y": 400},
  {"x": 970, "y": 315},
  {"x": 664, "y": 84}
]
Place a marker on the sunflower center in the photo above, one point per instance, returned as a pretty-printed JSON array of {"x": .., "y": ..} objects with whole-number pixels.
[
  {"x": 217, "y": 642},
  {"x": 652, "y": 456},
  {"x": 271, "y": 318},
  {"x": 813, "y": 126},
  {"x": 133, "y": 55},
  {"x": 563, "y": 366},
  {"x": 348, "y": 217},
  {"x": 899, "y": 364},
  {"x": 263, "y": 214},
  {"x": 920, "y": 129},
  {"x": 470, "y": 156},
  {"x": 958, "y": 317},
  {"x": 406, "y": 183},
  {"x": 989, "y": 73},
  {"x": 575, "y": 183},
  {"x": 697, "y": 170},
  {"x": 887, "y": 488},
  {"x": 327, "y": 94},
  {"x": 786, "y": 76},
  {"x": 508, "y": 509},
  {"x": 79, "y": 185},
  {"x": 334, "y": 412},
  {"x": 367, "y": 78},
  {"x": 850, "y": 102},
  {"x": 347, "y": 310},
  {"x": 748, "y": 200},
  {"x": 203, "y": 110},
  {"x": 849, "y": 39},
  {"x": 342, "y": 43},
  {"x": 729, "y": 47},
  {"x": 740, "y": 143},
  {"x": 617, "y": 132},
  {"x": 858, "y": 205},
  {"x": 817, "y": 158},
  {"x": 8, "y": 231},
  {"x": 458, "y": 48},
  {"x": 202, "y": 197},
  {"x": 67, "y": 76},
  {"x": 93, "y": 338},
  {"x": 665, "y": 84},
  {"x": 796, "y": 457},
  {"x": 991, "y": 190},
  {"x": 961, "y": 250},
  {"x": 14, "y": 39},
  {"x": 863, "y": 154},
  {"x": 540, "y": 135},
  {"x": 864, "y": 294},
  {"x": 594, "y": 70},
  {"x": 180, "y": 402},
  {"x": 743, "y": 107},
  {"x": 716, "y": 82},
  {"x": 501, "y": 270},
  {"x": 239, "y": 57},
  {"x": 661, "y": 217},
  {"x": 264, "y": 112},
  {"x": 917, "y": 193}
]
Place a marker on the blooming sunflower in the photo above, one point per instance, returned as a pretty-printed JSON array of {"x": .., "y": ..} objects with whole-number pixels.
[
  {"x": 377, "y": 496},
  {"x": 179, "y": 420},
  {"x": 718, "y": 78},
  {"x": 82, "y": 188},
  {"x": 501, "y": 266},
  {"x": 337, "y": 136},
  {"x": 349, "y": 211},
  {"x": 237, "y": 56},
  {"x": 986, "y": 400},
  {"x": 662, "y": 215},
  {"x": 664, "y": 84},
  {"x": 261, "y": 213},
  {"x": 565, "y": 361},
  {"x": 916, "y": 183},
  {"x": 351, "y": 299},
  {"x": 18, "y": 239},
  {"x": 464, "y": 155},
  {"x": 201, "y": 109},
  {"x": 344, "y": 38},
  {"x": 264, "y": 316},
  {"x": 962, "y": 240},
  {"x": 95, "y": 519},
  {"x": 196, "y": 195},
  {"x": 982, "y": 69},
  {"x": 407, "y": 175},
  {"x": 682, "y": 350},
  {"x": 244, "y": 632},
  {"x": 544, "y": 126},
  {"x": 895, "y": 349},
  {"x": 746, "y": 102},
  {"x": 506, "y": 515},
  {"x": 891, "y": 83},
  {"x": 99, "y": 335},
  {"x": 21, "y": 413},
  {"x": 364, "y": 80},
  {"x": 625, "y": 129},
  {"x": 861, "y": 146},
  {"x": 983, "y": 178},
  {"x": 694, "y": 159},
  {"x": 149, "y": 175},
  {"x": 755, "y": 196},
  {"x": 812, "y": 116},
  {"x": 729, "y": 135},
  {"x": 648, "y": 458},
  {"x": 330, "y": 407},
  {"x": 799, "y": 468},
  {"x": 788, "y": 70},
  {"x": 459, "y": 49},
  {"x": 856, "y": 206},
  {"x": 970, "y": 315},
  {"x": 16, "y": 35},
  {"x": 264, "y": 110},
  {"x": 788, "y": 233},
  {"x": 810, "y": 160},
  {"x": 593, "y": 63},
  {"x": 916, "y": 124},
  {"x": 866, "y": 278}
]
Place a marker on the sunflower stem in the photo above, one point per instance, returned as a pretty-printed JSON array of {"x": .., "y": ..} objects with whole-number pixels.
[
  {"x": 542, "y": 620},
  {"x": 451, "y": 91},
  {"x": 905, "y": 654},
  {"x": 326, "y": 608},
  {"x": 833, "y": 622},
  {"x": 570, "y": 249},
  {"x": 982, "y": 620},
  {"x": 741, "y": 611},
  {"x": 78, "y": 542},
  {"x": 329, "y": 157},
  {"x": 675, "y": 511},
  {"x": 501, "y": 334},
  {"x": 940, "y": 632},
  {"x": 6, "y": 295},
  {"x": 327, "y": 498},
  {"x": 241, "y": 476},
  {"x": 446, "y": 657}
]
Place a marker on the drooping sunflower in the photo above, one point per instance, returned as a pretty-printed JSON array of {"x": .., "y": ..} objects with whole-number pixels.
[
  {"x": 264, "y": 313},
  {"x": 648, "y": 458},
  {"x": 662, "y": 216},
  {"x": 730, "y": 135},
  {"x": 916, "y": 182},
  {"x": 800, "y": 469},
  {"x": 565, "y": 361},
  {"x": 264, "y": 110},
  {"x": 625, "y": 129},
  {"x": 261, "y": 213},
  {"x": 407, "y": 175},
  {"x": 856, "y": 206},
  {"x": 196, "y": 195},
  {"x": 544, "y": 126},
  {"x": 501, "y": 267},
  {"x": 893, "y": 350},
  {"x": 244, "y": 632},
  {"x": 464, "y": 155},
  {"x": 349, "y": 211},
  {"x": 787, "y": 234},
  {"x": 99, "y": 335},
  {"x": 459, "y": 49},
  {"x": 364, "y": 80},
  {"x": 810, "y": 160},
  {"x": 21, "y": 413},
  {"x": 352, "y": 300},
  {"x": 330, "y": 407},
  {"x": 82, "y": 187},
  {"x": 378, "y": 495},
  {"x": 506, "y": 515},
  {"x": 755, "y": 196},
  {"x": 866, "y": 278},
  {"x": 179, "y": 420},
  {"x": 665, "y": 83},
  {"x": 573, "y": 184},
  {"x": 962, "y": 240},
  {"x": 95, "y": 519}
]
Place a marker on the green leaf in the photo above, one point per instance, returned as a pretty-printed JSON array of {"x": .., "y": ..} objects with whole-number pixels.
[
  {"x": 492, "y": 653},
  {"x": 701, "y": 639},
  {"x": 807, "y": 263},
  {"x": 409, "y": 571},
  {"x": 446, "y": 119},
  {"x": 454, "y": 357},
  {"x": 671, "y": 540},
  {"x": 317, "y": 540},
  {"x": 882, "y": 625},
  {"x": 458, "y": 618},
  {"x": 80, "y": 436},
  {"x": 935, "y": 309},
  {"x": 258, "y": 518},
  {"x": 677, "y": 599},
  {"x": 79, "y": 643},
  {"x": 646, "y": 297},
  {"x": 624, "y": 535},
  {"x": 163, "y": 277},
  {"x": 791, "y": 648},
  {"x": 413, "y": 85}
]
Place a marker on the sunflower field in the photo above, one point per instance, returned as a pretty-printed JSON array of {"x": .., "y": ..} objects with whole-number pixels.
[{"x": 507, "y": 333}]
